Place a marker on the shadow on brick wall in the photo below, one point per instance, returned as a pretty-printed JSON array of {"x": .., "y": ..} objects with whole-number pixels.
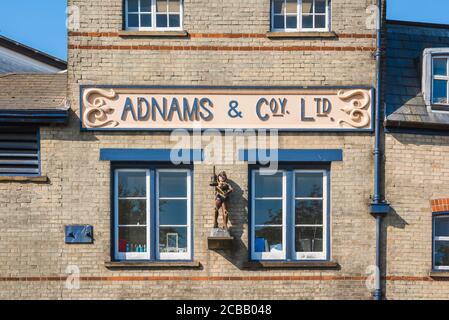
[
  {"x": 392, "y": 220},
  {"x": 238, "y": 219}
]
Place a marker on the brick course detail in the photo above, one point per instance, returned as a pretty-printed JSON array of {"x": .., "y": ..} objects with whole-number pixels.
[
  {"x": 220, "y": 48},
  {"x": 215, "y": 35},
  {"x": 440, "y": 205}
]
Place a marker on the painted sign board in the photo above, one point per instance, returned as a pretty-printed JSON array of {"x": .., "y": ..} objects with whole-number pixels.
[{"x": 282, "y": 108}]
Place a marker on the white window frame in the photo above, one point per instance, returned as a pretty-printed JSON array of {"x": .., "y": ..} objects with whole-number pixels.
[
  {"x": 131, "y": 255},
  {"x": 312, "y": 255},
  {"x": 429, "y": 55},
  {"x": 153, "y": 18},
  {"x": 281, "y": 255},
  {"x": 175, "y": 255},
  {"x": 435, "y": 238},
  {"x": 299, "y": 14}
]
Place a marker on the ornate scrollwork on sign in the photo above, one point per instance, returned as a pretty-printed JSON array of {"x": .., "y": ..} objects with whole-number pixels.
[
  {"x": 358, "y": 101},
  {"x": 97, "y": 108}
]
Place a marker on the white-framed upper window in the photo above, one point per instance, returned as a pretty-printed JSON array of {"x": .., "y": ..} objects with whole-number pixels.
[
  {"x": 289, "y": 215},
  {"x": 152, "y": 214},
  {"x": 435, "y": 78},
  {"x": 441, "y": 242},
  {"x": 300, "y": 15},
  {"x": 147, "y": 15},
  {"x": 440, "y": 80}
]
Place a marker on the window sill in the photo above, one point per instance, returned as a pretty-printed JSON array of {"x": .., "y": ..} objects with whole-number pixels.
[
  {"x": 440, "y": 107},
  {"x": 153, "y": 265},
  {"x": 155, "y": 34},
  {"x": 299, "y": 35},
  {"x": 439, "y": 274},
  {"x": 312, "y": 265},
  {"x": 24, "y": 179}
]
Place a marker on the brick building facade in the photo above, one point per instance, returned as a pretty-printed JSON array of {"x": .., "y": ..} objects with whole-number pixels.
[
  {"x": 232, "y": 46},
  {"x": 416, "y": 147}
]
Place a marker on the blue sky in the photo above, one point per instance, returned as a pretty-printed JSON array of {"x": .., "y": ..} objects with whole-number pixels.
[{"x": 41, "y": 23}]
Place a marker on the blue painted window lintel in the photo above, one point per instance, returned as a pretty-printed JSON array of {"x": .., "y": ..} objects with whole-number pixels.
[
  {"x": 291, "y": 155},
  {"x": 154, "y": 155}
]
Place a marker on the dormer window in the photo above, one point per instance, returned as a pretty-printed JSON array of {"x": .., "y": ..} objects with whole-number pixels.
[
  {"x": 435, "y": 80},
  {"x": 440, "y": 80}
]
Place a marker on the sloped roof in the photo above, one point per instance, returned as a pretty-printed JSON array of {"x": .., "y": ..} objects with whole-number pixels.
[
  {"x": 32, "y": 53},
  {"x": 405, "y": 105},
  {"x": 33, "y": 92}
]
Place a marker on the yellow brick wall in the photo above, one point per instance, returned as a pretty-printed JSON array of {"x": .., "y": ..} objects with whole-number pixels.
[{"x": 34, "y": 215}]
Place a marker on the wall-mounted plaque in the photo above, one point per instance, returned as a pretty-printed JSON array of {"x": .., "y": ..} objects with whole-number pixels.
[
  {"x": 167, "y": 108},
  {"x": 79, "y": 234}
]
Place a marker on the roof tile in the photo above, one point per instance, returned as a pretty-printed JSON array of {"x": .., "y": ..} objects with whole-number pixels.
[{"x": 33, "y": 91}]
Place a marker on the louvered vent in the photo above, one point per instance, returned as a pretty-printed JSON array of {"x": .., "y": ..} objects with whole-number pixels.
[{"x": 19, "y": 151}]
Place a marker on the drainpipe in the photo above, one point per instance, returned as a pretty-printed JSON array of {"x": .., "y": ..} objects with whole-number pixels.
[{"x": 379, "y": 207}]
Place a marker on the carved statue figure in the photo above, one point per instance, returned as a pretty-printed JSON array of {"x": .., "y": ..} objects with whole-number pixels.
[{"x": 222, "y": 192}]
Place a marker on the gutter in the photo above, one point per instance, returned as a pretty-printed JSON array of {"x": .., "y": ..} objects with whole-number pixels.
[
  {"x": 379, "y": 207},
  {"x": 401, "y": 124}
]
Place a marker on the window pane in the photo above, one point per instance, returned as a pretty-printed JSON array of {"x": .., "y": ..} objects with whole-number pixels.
[
  {"x": 309, "y": 185},
  {"x": 278, "y": 22},
  {"x": 133, "y": 5},
  {"x": 161, "y": 20},
  {"x": 307, "y": 22},
  {"x": 441, "y": 253},
  {"x": 439, "y": 91},
  {"x": 172, "y": 212},
  {"x": 174, "y": 6},
  {"x": 145, "y": 20},
  {"x": 309, "y": 239},
  {"x": 268, "y": 239},
  {"x": 440, "y": 67},
  {"x": 145, "y": 5},
  {"x": 132, "y": 184},
  {"x": 132, "y": 212},
  {"x": 268, "y": 185},
  {"x": 161, "y": 5},
  {"x": 133, "y": 20},
  {"x": 309, "y": 212},
  {"x": 292, "y": 22},
  {"x": 320, "y": 6},
  {"x": 132, "y": 239},
  {"x": 307, "y": 6},
  {"x": 268, "y": 212},
  {"x": 292, "y": 6},
  {"x": 279, "y": 6},
  {"x": 173, "y": 239},
  {"x": 172, "y": 184},
  {"x": 174, "y": 20},
  {"x": 320, "y": 21},
  {"x": 442, "y": 226}
]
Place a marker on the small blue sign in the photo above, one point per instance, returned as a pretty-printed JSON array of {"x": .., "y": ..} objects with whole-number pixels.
[{"x": 78, "y": 234}]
